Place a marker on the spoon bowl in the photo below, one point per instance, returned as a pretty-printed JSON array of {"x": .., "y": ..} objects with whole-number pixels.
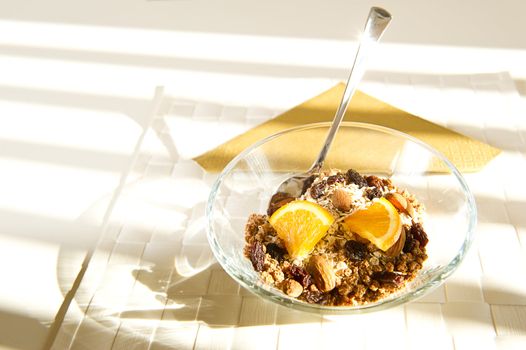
[{"x": 377, "y": 22}]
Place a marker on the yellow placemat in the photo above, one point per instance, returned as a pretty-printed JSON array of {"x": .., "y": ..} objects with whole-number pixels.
[{"x": 467, "y": 154}]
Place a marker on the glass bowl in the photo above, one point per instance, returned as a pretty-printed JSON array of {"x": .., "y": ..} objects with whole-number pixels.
[{"x": 249, "y": 180}]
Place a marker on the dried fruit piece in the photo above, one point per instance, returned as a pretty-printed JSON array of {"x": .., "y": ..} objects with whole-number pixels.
[
  {"x": 322, "y": 273},
  {"x": 379, "y": 223},
  {"x": 301, "y": 224},
  {"x": 277, "y": 201},
  {"x": 308, "y": 183},
  {"x": 292, "y": 288},
  {"x": 257, "y": 256},
  {"x": 354, "y": 177},
  {"x": 374, "y": 192},
  {"x": 341, "y": 200},
  {"x": 355, "y": 250},
  {"x": 387, "y": 183},
  {"x": 418, "y": 233},
  {"x": 299, "y": 274},
  {"x": 275, "y": 251},
  {"x": 338, "y": 178},
  {"x": 318, "y": 189},
  {"x": 388, "y": 277},
  {"x": 374, "y": 181},
  {"x": 313, "y": 297},
  {"x": 410, "y": 242}
]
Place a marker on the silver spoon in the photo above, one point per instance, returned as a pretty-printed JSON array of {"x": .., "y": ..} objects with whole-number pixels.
[{"x": 375, "y": 26}]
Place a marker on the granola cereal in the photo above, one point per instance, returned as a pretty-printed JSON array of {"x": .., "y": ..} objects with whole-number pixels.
[{"x": 343, "y": 268}]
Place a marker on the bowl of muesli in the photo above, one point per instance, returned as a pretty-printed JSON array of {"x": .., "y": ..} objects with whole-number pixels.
[{"x": 385, "y": 221}]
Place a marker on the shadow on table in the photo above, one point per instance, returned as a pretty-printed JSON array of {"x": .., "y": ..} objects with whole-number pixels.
[
  {"x": 15, "y": 329},
  {"x": 243, "y": 309},
  {"x": 190, "y": 299}
]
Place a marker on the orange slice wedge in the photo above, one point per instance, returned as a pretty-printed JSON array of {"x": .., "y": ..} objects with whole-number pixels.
[
  {"x": 301, "y": 224},
  {"x": 379, "y": 223}
]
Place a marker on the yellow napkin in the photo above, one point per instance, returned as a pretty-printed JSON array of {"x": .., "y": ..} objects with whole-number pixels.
[{"x": 467, "y": 154}]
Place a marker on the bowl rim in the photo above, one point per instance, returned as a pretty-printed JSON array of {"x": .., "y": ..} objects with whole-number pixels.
[{"x": 259, "y": 289}]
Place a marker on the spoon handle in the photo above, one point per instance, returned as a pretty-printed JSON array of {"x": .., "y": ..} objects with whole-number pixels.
[{"x": 375, "y": 26}]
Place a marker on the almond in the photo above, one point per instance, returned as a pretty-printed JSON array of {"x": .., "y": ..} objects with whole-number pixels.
[
  {"x": 396, "y": 248},
  {"x": 341, "y": 200},
  {"x": 398, "y": 201},
  {"x": 322, "y": 273}
]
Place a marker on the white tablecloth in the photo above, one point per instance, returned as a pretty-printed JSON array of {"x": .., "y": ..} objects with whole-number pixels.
[{"x": 153, "y": 283}]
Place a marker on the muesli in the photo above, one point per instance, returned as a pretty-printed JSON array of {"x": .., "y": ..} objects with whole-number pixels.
[{"x": 348, "y": 240}]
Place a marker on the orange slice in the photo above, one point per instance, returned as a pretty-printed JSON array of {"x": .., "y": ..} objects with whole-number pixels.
[
  {"x": 379, "y": 223},
  {"x": 301, "y": 224}
]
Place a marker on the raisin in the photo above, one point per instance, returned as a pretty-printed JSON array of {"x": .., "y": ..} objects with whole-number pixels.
[
  {"x": 318, "y": 190},
  {"x": 257, "y": 256},
  {"x": 277, "y": 201},
  {"x": 300, "y": 275},
  {"x": 387, "y": 277},
  {"x": 356, "y": 251},
  {"x": 387, "y": 183},
  {"x": 313, "y": 297},
  {"x": 418, "y": 233},
  {"x": 308, "y": 182},
  {"x": 354, "y": 177},
  {"x": 410, "y": 243},
  {"x": 374, "y": 192},
  {"x": 275, "y": 251},
  {"x": 374, "y": 181},
  {"x": 338, "y": 178}
]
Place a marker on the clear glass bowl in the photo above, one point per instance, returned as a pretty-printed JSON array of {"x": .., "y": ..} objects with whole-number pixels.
[{"x": 249, "y": 180}]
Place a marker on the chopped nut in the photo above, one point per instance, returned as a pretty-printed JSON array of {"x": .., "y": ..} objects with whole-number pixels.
[
  {"x": 292, "y": 288},
  {"x": 341, "y": 200},
  {"x": 413, "y": 265},
  {"x": 267, "y": 277},
  {"x": 410, "y": 210},
  {"x": 278, "y": 275},
  {"x": 322, "y": 273},
  {"x": 341, "y": 265}
]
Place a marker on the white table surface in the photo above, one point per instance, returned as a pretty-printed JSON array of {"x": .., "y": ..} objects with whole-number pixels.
[{"x": 77, "y": 94}]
